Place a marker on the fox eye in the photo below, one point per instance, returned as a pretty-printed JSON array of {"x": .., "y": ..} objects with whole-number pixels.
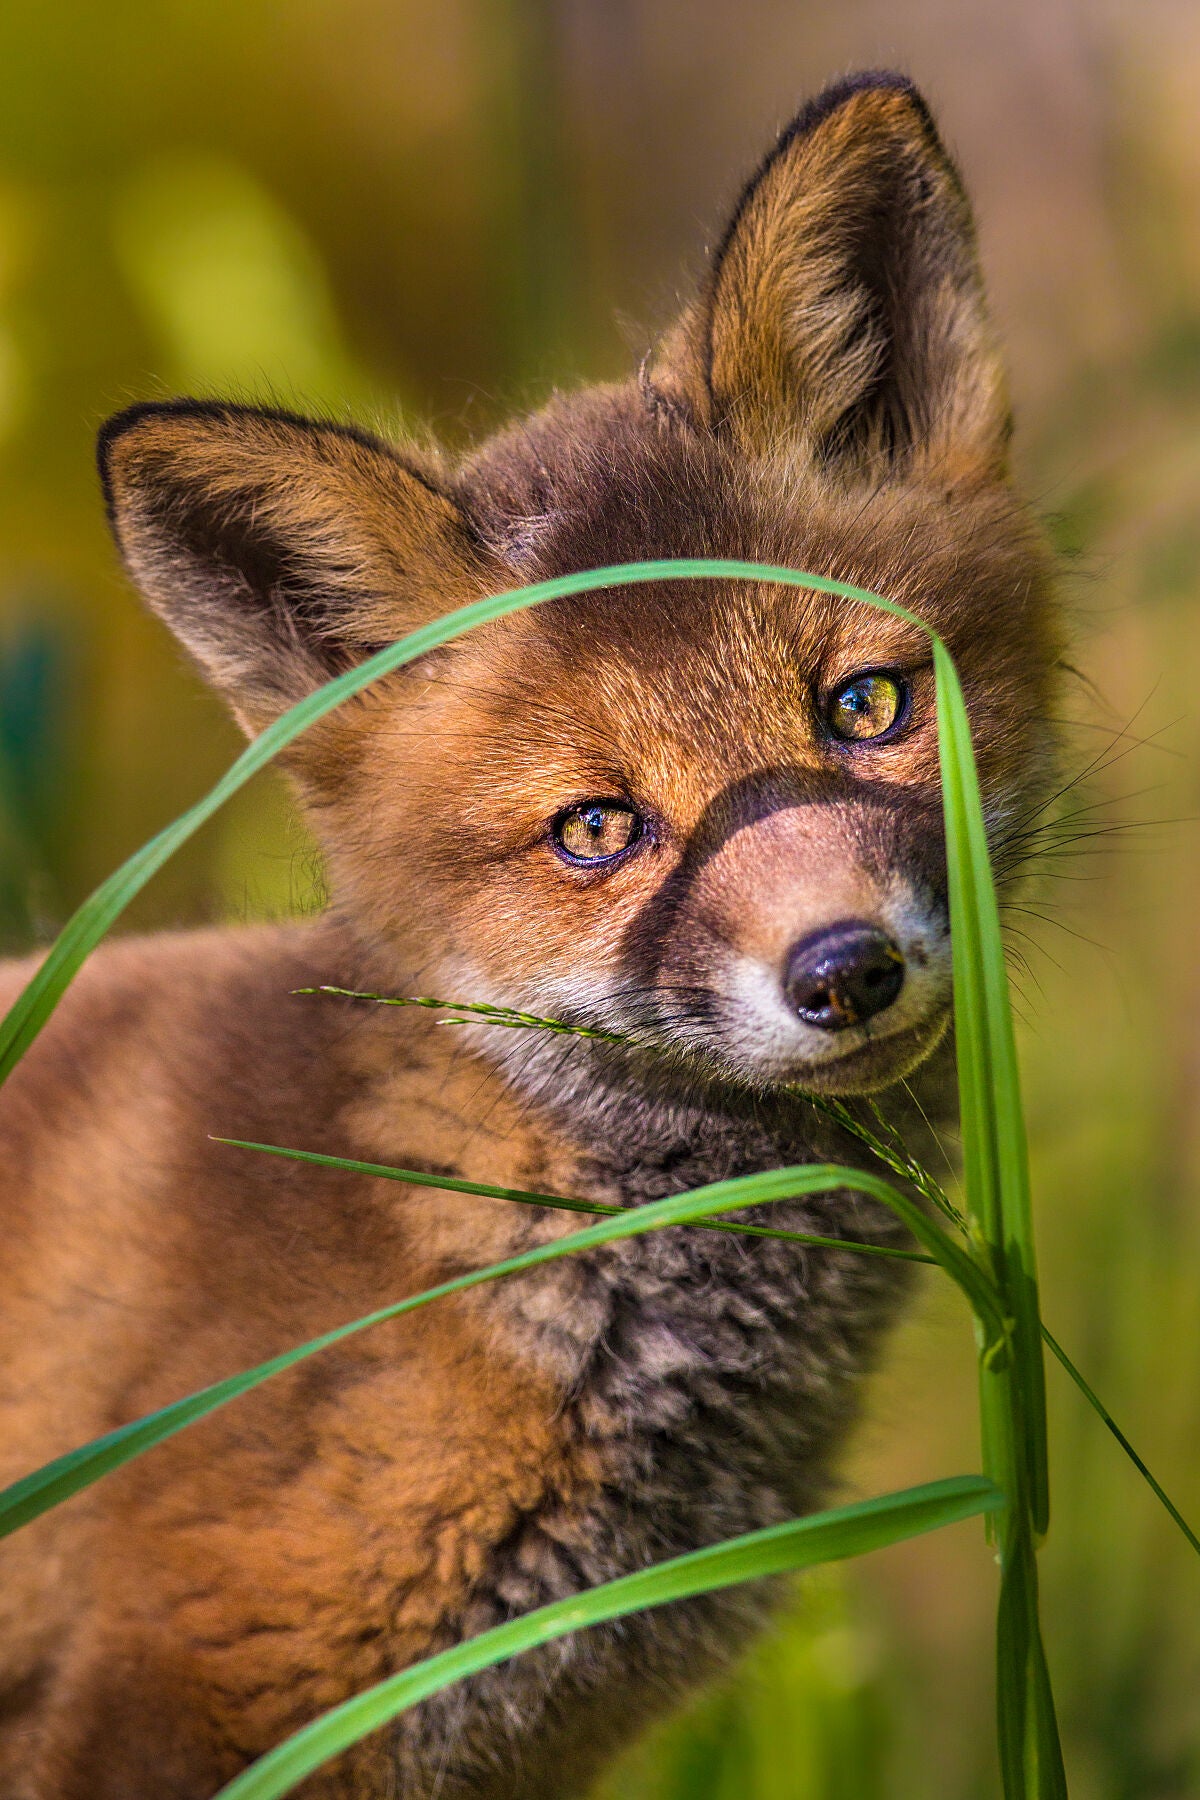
[
  {"x": 597, "y": 832},
  {"x": 866, "y": 707}
]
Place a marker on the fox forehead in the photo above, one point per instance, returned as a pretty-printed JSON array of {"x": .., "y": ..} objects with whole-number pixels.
[
  {"x": 718, "y": 673},
  {"x": 601, "y": 477},
  {"x": 596, "y": 479},
  {"x": 673, "y": 691}
]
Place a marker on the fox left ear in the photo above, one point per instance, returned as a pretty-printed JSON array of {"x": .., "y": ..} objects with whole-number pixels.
[
  {"x": 844, "y": 315},
  {"x": 281, "y": 550}
]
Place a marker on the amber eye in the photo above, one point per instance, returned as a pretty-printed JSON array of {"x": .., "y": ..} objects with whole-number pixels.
[
  {"x": 596, "y": 832},
  {"x": 866, "y": 707}
]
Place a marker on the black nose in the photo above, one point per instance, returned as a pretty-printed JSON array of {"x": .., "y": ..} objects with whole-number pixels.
[{"x": 843, "y": 974}]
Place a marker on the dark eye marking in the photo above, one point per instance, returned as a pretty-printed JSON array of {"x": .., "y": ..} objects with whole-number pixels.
[
  {"x": 596, "y": 833},
  {"x": 868, "y": 707}
]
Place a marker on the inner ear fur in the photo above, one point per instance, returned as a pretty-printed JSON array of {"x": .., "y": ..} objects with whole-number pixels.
[
  {"x": 844, "y": 316},
  {"x": 280, "y": 550}
]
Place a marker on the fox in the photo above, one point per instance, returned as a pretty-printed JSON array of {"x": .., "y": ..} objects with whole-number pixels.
[{"x": 700, "y": 820}]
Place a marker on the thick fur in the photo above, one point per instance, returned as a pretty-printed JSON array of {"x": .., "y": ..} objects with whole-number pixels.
[{"x": 832, "y": 400}]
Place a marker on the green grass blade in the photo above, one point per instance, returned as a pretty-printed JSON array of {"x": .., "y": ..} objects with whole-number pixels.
[
  {"x": 757, "y": 1188},
  {"x": 1097, "y": 1405},
  {"x": 1030, "y": 1752},
  {"x": 455, "y": 1185},
  {"x": 802, "y": 1543},
  {"x": 1012, "y": 1693},
  {"x": 57, "y": 1481},
  {"x": 995, "y": 1154},
  {"x": 89, "y": 924},
  {"x": 490, "y": 1191},
  {"x": 995, "y": 1157},
  {"x": 1050, "y": 1780}
]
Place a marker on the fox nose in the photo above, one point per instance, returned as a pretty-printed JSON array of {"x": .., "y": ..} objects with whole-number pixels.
[{"x": 843, "y": 974}]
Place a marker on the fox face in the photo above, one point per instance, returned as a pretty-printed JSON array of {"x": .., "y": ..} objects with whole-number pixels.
[{"x": 705, "y": 816}]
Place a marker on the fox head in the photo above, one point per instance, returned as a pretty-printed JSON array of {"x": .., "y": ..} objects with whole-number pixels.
[{"x": 703, "y": 813}]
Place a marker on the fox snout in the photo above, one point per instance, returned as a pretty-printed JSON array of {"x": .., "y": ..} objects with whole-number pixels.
[{"x": 812, "y": 947}]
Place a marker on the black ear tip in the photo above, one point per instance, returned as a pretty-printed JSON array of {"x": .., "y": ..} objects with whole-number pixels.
[
  {"x": 865, "y": 81},
  {"x": 240, "y": 417},
  {"x": 114, "y": 428},
  {"x": 814, "y": 114},
  {"x": 128, "y": 419}
]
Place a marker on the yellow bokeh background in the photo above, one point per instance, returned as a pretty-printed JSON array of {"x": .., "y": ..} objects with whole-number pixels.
[{"x": 424, "y": 213}]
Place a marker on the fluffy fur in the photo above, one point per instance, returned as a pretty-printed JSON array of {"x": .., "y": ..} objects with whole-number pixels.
[{"x": 831, "y": 400}]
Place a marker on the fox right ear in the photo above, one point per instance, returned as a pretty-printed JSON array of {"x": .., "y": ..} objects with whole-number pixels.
[
  {"x": 280, "y": 551},
  {"x": 844, "y": 316}
]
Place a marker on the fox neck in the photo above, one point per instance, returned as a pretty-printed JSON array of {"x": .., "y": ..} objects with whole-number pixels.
[
  {"x": 587, "y": 1120},
  {"x": 630, "y": 1126}
]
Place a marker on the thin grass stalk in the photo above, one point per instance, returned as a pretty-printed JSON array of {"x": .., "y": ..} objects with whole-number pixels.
[
  {"x": 1097, "y": 1405},
  {"x": 486, "y": 1190},
  {"x": 508, "y": 1018}
]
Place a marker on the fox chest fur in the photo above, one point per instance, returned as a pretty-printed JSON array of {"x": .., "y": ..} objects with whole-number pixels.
[{"x": 699, "y": 820}]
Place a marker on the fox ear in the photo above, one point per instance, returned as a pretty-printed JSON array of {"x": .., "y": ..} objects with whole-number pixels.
[
  {"x": 279, "y": 551},
  {"x": 844, "y": 313}
]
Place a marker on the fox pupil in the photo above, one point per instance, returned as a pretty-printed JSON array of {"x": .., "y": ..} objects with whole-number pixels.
[
  {"x": 596, "y": 831},
  {"x": 867, "y": 707}
]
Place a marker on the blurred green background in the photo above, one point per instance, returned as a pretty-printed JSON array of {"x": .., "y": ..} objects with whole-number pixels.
[{"x": 424, "y": 212}]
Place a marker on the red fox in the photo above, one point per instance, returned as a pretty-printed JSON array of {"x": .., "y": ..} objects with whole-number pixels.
[{"x": 704, "y": 815}]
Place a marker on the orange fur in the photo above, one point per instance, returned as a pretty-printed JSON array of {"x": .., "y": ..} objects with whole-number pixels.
[{"x": 830, "y": 401}]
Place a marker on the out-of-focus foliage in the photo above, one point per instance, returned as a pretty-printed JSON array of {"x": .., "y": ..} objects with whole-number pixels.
[{"x": 422, "y": 212}]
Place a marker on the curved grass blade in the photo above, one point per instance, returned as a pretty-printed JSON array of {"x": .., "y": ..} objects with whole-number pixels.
[
  {"x": 57, "y": 1481},
  {"x": 487, "y": 1190},
  {"x": 942, "y": 1248},
  {"x": 802, "y": 1543},
  {"x": 559, "y": 1202},
  {"x": 84, "y": 930}
]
